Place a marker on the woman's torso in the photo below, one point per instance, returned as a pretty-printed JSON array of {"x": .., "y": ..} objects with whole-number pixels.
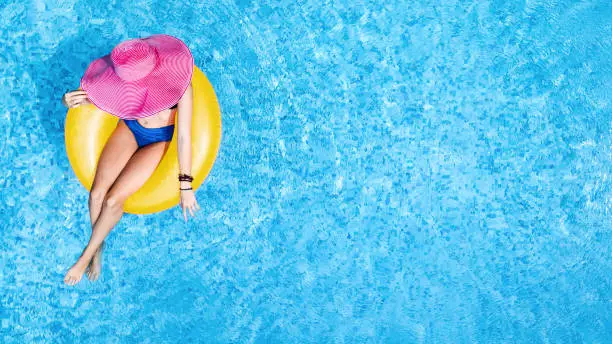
[{"x": 161, "y": 119}]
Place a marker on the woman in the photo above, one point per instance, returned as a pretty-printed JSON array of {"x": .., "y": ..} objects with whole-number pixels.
[{"x": 143, "y": 82}]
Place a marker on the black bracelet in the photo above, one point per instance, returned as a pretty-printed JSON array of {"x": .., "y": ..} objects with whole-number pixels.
[
  {"x": 186, "y": 189},
  {"x": 185, "y": 178}
]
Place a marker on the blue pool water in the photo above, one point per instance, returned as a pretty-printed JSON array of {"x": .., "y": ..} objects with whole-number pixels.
[{"x": 389, "y": 172}]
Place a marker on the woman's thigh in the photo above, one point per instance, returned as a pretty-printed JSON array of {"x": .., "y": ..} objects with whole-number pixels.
[
  {"x": 116, "y": 153},
  {"x": 137, "y": 171}
]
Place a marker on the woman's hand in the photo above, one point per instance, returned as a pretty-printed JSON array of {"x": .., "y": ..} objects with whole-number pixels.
[
  {"x": 188, "y": 202},
  {"x": 75, "y": 98}
]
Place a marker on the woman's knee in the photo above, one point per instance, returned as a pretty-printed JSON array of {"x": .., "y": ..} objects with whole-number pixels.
[
  {"x": 100, "y": 186},
  {"x": 114, "y": 200},
  {"x": 97, "y": 194}
]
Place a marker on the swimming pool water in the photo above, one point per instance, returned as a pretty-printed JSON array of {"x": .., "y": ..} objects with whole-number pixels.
[{"x": 389, "y": 172}]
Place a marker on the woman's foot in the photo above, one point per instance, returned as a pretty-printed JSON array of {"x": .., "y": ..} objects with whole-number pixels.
[
  {"x": 95, "y": 266},
  {"x": 74, "y": 275}
]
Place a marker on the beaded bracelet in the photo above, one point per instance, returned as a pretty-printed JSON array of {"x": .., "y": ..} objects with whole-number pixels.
[
  {"x": 185, "y": 178},
  {"x": 186, "y": 189}
]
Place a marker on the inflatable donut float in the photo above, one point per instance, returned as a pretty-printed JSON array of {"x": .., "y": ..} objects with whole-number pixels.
[{"x": 88, "y": 128}]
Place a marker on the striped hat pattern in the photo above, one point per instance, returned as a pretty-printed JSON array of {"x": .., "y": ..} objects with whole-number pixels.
[{"x": 140, "y": 77}]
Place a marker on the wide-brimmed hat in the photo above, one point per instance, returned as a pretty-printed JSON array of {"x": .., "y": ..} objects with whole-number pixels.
[{"x": 140, "y": 77}]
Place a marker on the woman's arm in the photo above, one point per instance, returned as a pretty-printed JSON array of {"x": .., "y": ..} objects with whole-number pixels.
[
  {"x": 188, "y": 200},
  {"x": 185, "y": 111}
]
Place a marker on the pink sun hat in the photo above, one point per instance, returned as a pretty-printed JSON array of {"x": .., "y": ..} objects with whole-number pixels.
[{"x": 140, "y": 77}]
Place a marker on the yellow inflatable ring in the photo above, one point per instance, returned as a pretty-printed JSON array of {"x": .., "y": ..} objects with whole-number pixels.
[{"x": 88, "y": 128}]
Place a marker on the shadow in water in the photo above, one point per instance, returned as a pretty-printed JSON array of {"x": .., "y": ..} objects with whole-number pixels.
[{"x": 62, "y": 72}]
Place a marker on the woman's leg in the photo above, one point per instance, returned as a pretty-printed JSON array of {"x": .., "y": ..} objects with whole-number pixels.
[
  {"x": 138, "y": 169},
  {"x": 116, "y": 153}
]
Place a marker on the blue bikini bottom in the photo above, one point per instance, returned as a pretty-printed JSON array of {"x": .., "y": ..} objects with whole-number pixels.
[{"x": 145, "y": 136}]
